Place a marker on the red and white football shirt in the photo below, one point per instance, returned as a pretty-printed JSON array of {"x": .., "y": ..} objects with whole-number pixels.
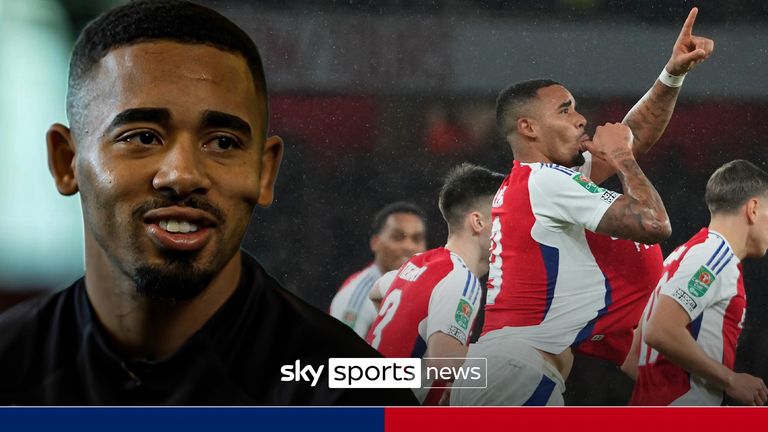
[
  {"x": 351, "y": 304},
  {"x": 632, "y": 271},
  {"x": 704, "y": 277},
  {"x": 433, "y": 291},
  {"x": 545, "y": 286}
]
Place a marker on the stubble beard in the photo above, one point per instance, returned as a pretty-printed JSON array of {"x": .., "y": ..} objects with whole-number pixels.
[
  {"x": 179, "y": 279},
  {"x": 578, "y": 160},
  {"x": 181, "y": 276}
]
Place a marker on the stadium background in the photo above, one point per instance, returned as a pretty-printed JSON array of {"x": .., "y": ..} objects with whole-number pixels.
[{"x": 377, "y": 99}]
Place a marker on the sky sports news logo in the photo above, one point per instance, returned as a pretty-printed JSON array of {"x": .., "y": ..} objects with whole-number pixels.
[{"x": 387, "y": 373}]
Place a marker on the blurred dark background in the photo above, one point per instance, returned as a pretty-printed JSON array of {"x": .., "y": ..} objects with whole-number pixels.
[{"x": 376, "y": 100}]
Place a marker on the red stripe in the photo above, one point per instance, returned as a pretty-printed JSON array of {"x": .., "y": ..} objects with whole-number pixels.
[
  {"x": 731, "y": 321},
  {"x": 653, "y": 299},
  {"x": 435, "y": 394},
  {"x": 660, "y": 384},
  {"x": 522, "y": 299},
  {"x": 624, "y": 419}
]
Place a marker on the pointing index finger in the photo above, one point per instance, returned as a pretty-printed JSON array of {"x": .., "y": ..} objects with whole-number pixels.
[{"x": 688, "y": 24}]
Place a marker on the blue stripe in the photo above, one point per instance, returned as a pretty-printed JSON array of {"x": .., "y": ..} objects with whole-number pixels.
[
  {"x": 192, "y": 419},
  {"x": 720, "y": 259},
  {"x": 473, "y": 291},
  {"x": 551, "y": 258},
  {"x": 367, "y": 289},
  {"x": 725, "y": 263},
  {"x": 471, "y": 285},
  {"x": 722, "y": 243},
  {"x": 477, "y": 293},
  {"x": 419, "y": 348},
  {"x": 361, "y": 292},
  {"x": 695, "y": 326},
  {"x": 543, "y": 391},
  {"x": 561, "y": 169},
  {"x": 466, "y": 284},
  {"x": 590, "y": 327},
  {"x": 357, "y": 293}
]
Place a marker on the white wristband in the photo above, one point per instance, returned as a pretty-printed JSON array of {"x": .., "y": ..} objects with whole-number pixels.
[{"x": 670, "y": 80}]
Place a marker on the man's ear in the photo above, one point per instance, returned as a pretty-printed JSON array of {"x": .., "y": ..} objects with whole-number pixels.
[
  {"x": 271, "y": 155},
  {"x": 374, "y": 243},
  {"x": 527, "y": 127},
  {"x": 61, "y": 158},
  {"x": 476, "y": 222},
  {"x": 752, "y": 209}
]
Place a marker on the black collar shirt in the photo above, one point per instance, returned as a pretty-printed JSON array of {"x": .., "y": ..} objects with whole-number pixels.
[{"x": 53, "y": 351}]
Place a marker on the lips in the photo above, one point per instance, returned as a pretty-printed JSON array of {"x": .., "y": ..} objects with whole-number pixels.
[
  {"x": 179, "y": 228},
  {"x": 583, "y": 140}
]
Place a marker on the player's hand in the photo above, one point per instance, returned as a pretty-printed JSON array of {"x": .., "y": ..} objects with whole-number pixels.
[
  {"x": 747, "y": 389},
  {"x": 689, "y": 50},
  {"x": 611, "y": 141}
]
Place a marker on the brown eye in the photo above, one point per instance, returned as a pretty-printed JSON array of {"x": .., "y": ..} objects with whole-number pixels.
[
  {"x": 147, "y": 138},
  {"x": 225, "y": 143},
  {"x": 222, "y": 143},
  {"x": 141, "y": 138}
]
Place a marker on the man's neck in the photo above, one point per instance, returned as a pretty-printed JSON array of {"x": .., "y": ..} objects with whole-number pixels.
[
  {"x": 525, "y": 151},
  {"x": 735, "y": 232},
  {"x": 463, "y": 245},
  {"x": 141, "y": 327},
  {"x": 380, "y": 266}
]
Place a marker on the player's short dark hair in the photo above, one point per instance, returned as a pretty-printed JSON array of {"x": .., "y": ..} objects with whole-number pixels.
[
  {"x": 733, "y": 184},
  {"x": 464, "y": 189},
  {"x": 513, "y": 98},
  {"x": 144, "y": 21},
  {"x": 396, "y": 207}
]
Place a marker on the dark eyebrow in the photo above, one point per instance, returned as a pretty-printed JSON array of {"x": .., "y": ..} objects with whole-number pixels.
[
  {"x": 148, "y": 115},
  {"x": 218, "y": 119},
  {"x": 565, "y": 104}
]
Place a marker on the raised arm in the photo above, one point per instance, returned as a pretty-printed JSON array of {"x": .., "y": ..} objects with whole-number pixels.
[
  {"x": 639, "y": 214},
  {"x": 649, "y": 117}
]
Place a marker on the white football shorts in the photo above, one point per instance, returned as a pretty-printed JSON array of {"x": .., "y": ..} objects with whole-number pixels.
[{"x": 517, "y": 375}]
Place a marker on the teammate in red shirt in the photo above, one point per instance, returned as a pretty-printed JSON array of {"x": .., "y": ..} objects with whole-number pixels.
[
  {"x": 431, "y": 302},
  {"x": 686, "y": 344}
]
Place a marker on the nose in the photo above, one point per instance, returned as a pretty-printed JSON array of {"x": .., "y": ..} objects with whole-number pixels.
[
  {"x": 413, "y": 246},
  {"x": 581, "y": 121},
  {"x": 182, "y": 170}
]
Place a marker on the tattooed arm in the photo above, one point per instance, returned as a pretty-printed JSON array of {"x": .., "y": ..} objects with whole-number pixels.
[
  {"x": 639, "y": 214},
  {"x": 649, "y": 117}
]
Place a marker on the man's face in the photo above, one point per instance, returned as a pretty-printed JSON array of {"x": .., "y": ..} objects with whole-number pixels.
[
  {"x": 170, "y": 162},
  {"x": 560, "y": 127},
  {"x": 757, "y": 243},
  {"x": 485, "y": 237},
  {"x": 400, "y": 238}
]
